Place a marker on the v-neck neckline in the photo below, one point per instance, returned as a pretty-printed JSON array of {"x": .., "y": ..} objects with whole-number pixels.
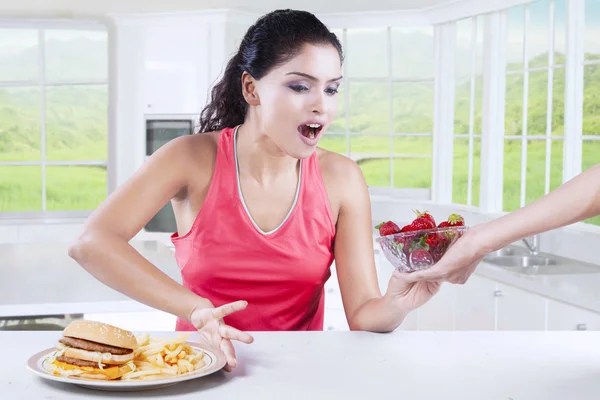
[{"x": 241, "y": 196}]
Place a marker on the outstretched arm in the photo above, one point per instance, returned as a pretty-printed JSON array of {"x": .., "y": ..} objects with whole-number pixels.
[
  {"x": 574, "y": 201},
  {"x": 365, "y": 307}
]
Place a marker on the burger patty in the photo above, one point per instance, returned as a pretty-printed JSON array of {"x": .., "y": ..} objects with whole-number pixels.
[
  {"x": 79, "y": 363},
  {"x": 93, "y": 346}
]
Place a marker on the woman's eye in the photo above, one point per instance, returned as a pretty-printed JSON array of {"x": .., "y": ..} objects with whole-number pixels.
[
  {"x": 331, "y": 91},
  {"x": 298, "y": 88}
]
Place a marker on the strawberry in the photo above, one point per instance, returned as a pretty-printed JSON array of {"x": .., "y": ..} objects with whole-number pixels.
[
  {"x": 387, "y": 228},
  {"x": 434, "y": 240},
  {"x": 423, "y": 221},
  {"x": 453, "y": 220},
  {"x": 407, "y": 228},
  {"x": 440, "y": 247},
  {"x": 426, "y": 215},
  {"x": 421, "y": 224},
  {"x": 420, "y": 257}
]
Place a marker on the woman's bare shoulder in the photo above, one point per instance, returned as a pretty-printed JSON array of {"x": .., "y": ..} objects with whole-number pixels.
[
  {"x": 335, "y": 166},
  {"x": 198, "y": 151},
  {"x": 342, "y": 177}
]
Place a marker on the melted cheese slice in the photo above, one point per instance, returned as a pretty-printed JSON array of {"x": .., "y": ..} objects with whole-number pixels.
[{"x": 110, "y": 372}]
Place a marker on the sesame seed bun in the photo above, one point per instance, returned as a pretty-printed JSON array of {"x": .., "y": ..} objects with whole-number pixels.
[{"x": 101, "y": 333}]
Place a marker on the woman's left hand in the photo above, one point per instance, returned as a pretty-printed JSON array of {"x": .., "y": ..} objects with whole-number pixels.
[{"x": 408, "y": 293}]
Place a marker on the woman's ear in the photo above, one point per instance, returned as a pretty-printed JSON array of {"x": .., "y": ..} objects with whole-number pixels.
[{"x": 249, "y": 89}]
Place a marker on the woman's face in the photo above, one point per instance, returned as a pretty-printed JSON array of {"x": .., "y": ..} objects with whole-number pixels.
[{"x": 297, "y": 101}]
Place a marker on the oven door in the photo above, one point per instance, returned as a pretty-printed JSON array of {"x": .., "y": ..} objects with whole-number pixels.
[{"x": 159, "y": 131}]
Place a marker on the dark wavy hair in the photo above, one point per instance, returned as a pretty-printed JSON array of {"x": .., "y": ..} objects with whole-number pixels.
[{"x": 274, "y": 39}]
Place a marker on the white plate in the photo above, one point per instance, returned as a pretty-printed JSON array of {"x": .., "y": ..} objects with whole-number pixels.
[{"x": 39, "y": 366}]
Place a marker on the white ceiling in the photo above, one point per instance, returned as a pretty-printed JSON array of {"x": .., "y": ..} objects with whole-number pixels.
[{"x": 40, "y": 7}]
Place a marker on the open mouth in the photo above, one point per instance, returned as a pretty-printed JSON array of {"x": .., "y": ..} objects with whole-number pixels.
[{"x": 310, "y": 131}]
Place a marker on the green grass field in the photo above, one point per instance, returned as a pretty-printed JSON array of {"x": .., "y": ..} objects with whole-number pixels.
[{"x": 67, "y": 188}]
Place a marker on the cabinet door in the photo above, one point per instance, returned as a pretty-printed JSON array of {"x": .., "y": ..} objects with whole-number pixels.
[
  {"x": 438, "y": 313},
  {"x": 566, "y": 317},
  {"x": 411, "y": 322},
  {"x": 475, "y": 305},
  {"x": 519, "y": 310},
  {"x": 145, "y": 321},
  {"x": 384, "y": 269},
  {"x": 175, "y": 69},
  {"x": 335, "y": 320}
]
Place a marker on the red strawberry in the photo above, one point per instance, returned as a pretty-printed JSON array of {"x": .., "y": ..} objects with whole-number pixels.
[
  {"x": 423, "y": 221},
  {"x": 434, "y": 240},
  {"x": 420, "y": 258},
  {"x": 453, "y": 220},
  {"x": 387, "y": 228},
  {"x": 442, "y": 243},
  {"x": 421, "y": 224},
  {"x": 426, "y": 215}
]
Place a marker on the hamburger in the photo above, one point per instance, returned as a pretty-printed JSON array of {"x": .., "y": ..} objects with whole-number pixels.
[{"x": 94, "y": 350}]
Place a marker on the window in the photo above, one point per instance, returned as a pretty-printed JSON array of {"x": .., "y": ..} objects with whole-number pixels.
[
  {"x": 468, "y": 89},
  {"x": 591, "y": 90},
  {"x": 385, "y": 118},
  {"x": 53, "y": 119},
  {"x": 534, "y": 102}
]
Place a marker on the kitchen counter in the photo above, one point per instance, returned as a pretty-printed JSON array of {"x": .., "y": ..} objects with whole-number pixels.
[
  {"x": 360, "y": 365},
  {"x": 581, "y": 289},
  {"x": 41, "y": 279}
]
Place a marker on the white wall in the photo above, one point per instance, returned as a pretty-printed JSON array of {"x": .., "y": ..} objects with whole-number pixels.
[{"x": 168, "y": 6}]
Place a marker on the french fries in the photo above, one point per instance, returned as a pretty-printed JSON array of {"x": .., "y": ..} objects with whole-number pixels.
[{"x": 160, "y": 358}]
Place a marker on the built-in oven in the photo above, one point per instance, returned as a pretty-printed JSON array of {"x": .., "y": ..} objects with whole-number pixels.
[{"x": 160, "y": 129}]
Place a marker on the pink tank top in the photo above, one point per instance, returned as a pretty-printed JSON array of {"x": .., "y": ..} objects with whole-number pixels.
[{"x": 226, "y": 257}]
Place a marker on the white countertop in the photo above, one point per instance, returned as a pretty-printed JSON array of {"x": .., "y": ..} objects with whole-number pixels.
[
  {"x": 360, "y": 365},
  {"x": 41, "y": 279}
]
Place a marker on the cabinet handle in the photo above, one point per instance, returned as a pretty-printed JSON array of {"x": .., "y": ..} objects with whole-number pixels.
[
  {"x": 498, "y": 293},
  {"x": 581, "y": 327}
]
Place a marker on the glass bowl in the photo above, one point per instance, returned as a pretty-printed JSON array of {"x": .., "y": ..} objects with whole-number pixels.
[{"x": 419, "y": 250}]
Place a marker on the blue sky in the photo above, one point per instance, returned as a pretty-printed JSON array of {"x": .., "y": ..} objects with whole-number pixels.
[{"x": 539, "y": 18}]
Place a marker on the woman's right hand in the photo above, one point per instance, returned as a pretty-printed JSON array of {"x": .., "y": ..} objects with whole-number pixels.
[{"x": 210, "y": 325}]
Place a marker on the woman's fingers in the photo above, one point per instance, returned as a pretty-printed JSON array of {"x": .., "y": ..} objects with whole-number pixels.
[
  {"x": 231, "y": 333},
  {"x": 230, "y": 308},
  {"x": 229, "y": 351}
]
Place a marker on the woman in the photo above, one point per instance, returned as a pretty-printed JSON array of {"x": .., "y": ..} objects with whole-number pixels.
[
  {"x": 261, "y": 211},
  {"x": 573, "y": 201}
]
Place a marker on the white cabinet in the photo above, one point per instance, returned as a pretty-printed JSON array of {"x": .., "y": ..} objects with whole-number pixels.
[
  {"x": 518, "y": 310},
  {"x": 147, "y": 321},
  {"x": 565, "y": 317},
  {"x": 335, "y": 320},
  {"x": 438, "y": 313},
  {"x": 335, "y": 317},
  {"x": 411, "y": 322},
  {"x": 475, "y": 305},
  {"x": 176, "y": 69},
  {"x": 481, "y": 304}
]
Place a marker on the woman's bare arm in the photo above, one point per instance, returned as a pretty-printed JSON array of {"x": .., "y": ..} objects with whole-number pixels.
[
  {"x": 103, "y": 249},
  {"x": 573, "y": 201}
]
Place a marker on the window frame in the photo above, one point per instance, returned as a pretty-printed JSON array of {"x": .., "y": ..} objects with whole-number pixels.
[
  {"x": 42, "y": 26},
  {"x": 389, "y": 80},
  {"x": 493, "y": 118},
  {"x": 472, "y": 76}
]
